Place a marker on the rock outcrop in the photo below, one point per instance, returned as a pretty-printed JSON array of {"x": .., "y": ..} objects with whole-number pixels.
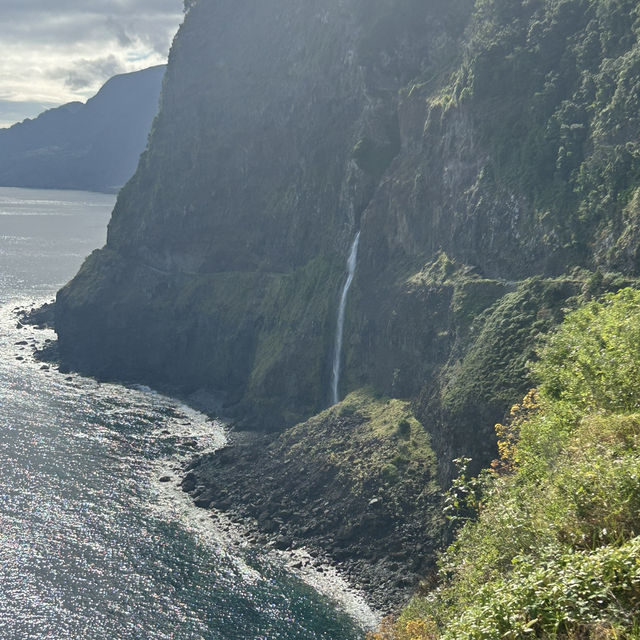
[{"x": 356, "y": 482}]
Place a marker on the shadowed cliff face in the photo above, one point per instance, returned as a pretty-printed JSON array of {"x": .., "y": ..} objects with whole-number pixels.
[
  {"x": 485, "y": 150},
  {"x": 250, "y": 152},
  {"x": 226, "y": 250},
  {"x": 276, "y": 124}
]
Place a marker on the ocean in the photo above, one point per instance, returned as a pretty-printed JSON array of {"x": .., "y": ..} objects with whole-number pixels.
[{"x": 92, "y": 545}]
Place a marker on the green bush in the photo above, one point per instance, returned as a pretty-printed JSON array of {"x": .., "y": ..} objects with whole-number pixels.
[
  {"x": 555, "y": 549},
  {"x": 571, "y": 595},
  {"x": 593, "y": 361}
]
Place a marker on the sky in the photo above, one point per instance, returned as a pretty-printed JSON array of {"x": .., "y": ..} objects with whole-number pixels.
[{"x": 58, "y": 51}]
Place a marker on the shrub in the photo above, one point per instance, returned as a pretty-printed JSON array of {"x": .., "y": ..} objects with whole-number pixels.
[
  {"x": 575, "y": 592},
  {"x": 404, "y": 429},
  {"x": 404, "y": 630},
  {"x": 593, "y": 361},
  {"x": 554, "y": 549}
]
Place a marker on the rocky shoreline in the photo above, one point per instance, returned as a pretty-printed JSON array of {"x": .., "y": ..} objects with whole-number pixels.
[
  {"x": 234, "y": 535},
  {"x": 310, "y": 566},
  {"x": 278, "y": 504},
  {"x": 283, "y": 492}
]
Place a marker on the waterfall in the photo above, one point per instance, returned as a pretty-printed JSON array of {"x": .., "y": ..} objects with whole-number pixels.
[{"x": 337, "y": 354}]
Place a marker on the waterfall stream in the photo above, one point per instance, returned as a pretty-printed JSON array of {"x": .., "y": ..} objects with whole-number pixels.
[{"x": 337, "y": 354}]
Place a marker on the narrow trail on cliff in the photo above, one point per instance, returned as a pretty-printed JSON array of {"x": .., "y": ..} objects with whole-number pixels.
[{"x": 337, "y": 354}]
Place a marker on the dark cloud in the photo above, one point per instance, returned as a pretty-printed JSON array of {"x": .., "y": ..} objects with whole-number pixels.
[
  {"x": 84, "y": 72},
  {"x": 119, "y": 31}
]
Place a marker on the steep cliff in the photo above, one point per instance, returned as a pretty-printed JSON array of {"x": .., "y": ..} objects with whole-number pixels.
[
  {"x": 226, "y": 250},
  {"x": 488, "y": 152}
]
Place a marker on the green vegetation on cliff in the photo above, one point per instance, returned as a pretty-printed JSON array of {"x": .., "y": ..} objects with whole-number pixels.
[
  {"x": 502, "y": 134},
  {"x": 555, "y": 549},
  {"x": 382, "y": 447},
  {"x": 518, "y": 165},
  {"x": 551, "y": 91}
]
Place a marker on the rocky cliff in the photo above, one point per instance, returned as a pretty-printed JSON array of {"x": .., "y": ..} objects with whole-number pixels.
[{"x": 488, "y": 152}]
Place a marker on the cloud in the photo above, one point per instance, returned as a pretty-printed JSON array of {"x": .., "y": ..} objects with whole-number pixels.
[
  {"x": 120, "y": 32},
  {"x": 83, "y": 74},
  {"x": 59, "y": 52}
]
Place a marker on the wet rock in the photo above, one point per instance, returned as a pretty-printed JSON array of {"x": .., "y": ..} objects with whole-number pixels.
[
  {"x": 223, "y": 504},
  {"x": 345, "y": 533},
  {"x": 268, "y": 526},
  {"x": 203, "y": 501},
  {"x": 282, "y": 543},
  {"x": 189, "y": 483}
]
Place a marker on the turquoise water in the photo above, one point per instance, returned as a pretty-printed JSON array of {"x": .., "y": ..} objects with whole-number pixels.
[{"x": 92, "y": 546}]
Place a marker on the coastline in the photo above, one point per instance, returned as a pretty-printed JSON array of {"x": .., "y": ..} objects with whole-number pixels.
[
  {"x": 235, "y": 533},
  {"x": 226, "y": 482},
  {"x": 237, "y": 483},
  {"x": 231, "y": 531}
]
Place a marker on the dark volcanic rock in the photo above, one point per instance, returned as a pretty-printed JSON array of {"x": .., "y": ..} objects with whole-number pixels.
[
  {"x": 189, "y": 482},
  {"x": 357, "y": 494},
  {"x": 42, "y": 317}
]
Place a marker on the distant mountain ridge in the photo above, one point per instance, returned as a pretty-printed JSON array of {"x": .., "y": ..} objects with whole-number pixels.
[{"x": 93, "y": 146}]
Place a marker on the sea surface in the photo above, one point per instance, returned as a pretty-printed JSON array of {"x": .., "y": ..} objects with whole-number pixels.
[{"x": 92, "y": 545}]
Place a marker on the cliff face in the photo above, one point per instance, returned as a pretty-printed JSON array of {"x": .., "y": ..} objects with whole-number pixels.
[
  {"x": 476, "y": 145},
  {"x": 517, "y": 178},
  {"x": 226, "y": 250},
  {"x": 93, "y": 146}
]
